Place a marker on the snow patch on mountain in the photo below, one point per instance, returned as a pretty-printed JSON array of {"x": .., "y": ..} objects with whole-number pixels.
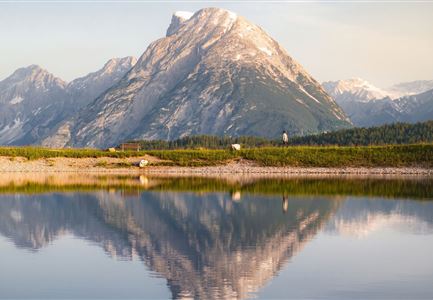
[
  {"x": 354, "y": 88},
  {"x": 266, "y": 50},
  {"x": 360, "y": 90},
  {"x": 177, "y": 20},
  {"x": 11, "y": 131},
  {"x": 186, "y": 15},
  {"x": 16, "y": 100}
]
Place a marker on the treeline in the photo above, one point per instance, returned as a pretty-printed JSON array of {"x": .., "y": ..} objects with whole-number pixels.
[
  {"x": 207, "y": 142},
  {"x": 398, "y": 133}
]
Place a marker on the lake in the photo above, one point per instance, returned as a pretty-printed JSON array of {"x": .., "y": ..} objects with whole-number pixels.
[{"x": 119, "y": 237}]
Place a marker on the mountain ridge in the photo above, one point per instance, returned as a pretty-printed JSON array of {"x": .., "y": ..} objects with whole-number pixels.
[
  {"x": 34, "y": 101},
  {"x": 367, "y": 105},
  {"x": 171, "y": 91}
]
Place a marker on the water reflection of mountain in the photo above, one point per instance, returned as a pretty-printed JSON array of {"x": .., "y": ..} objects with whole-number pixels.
[
  {"x": 360, "y": 216},
  {"x": 206, "y": 246}
]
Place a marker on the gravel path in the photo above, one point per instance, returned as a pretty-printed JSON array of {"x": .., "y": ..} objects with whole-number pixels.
[{"x": 116, "y": 165}]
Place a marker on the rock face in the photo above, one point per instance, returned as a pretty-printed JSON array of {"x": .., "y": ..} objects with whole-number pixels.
[
  {"x": 29, "y": 99},
  {"x": 177, "y": 19},
  {"x": 367, "y": 105},
  {"x": 214, "y": 73},
  {"x": 33, "y": 102},
  {"x": 85, "y": 89},
  {"x": 354, "y": 89}
]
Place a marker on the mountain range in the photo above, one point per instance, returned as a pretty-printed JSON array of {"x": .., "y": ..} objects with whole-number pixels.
[
  {"x": 213, "y": 73},
  {"x": 34, "y": 101},
  {"x": 367, "y": 105}
]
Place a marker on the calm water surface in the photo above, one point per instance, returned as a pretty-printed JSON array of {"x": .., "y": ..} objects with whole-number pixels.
[{"x": 156, "y": 238}]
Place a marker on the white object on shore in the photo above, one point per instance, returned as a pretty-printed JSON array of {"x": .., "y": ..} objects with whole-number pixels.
[
  {"x": 143, "y": 163},
  {"x": 236, "y": 147}
]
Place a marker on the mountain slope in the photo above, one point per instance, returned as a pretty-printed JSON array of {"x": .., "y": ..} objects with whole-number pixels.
[
  {"x": 367, "y": 105},
  {"x": 85, "y": 89},
  {"x": 34, "y": 103},
  {"x": 353, "y": 89},
  {"x": 416, "y": 108},
  {"x": 29, "y": 101},
  {"x": 214, "y": 73},
  {"x": 412, "y": 109}
]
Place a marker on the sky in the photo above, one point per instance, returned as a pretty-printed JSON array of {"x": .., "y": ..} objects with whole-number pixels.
[{"x": 384, "y": 42}]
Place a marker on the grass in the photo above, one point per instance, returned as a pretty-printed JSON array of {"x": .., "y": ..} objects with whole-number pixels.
[
  {"x": 332, "y": 156},
  {"x": 195, "y": 158},
  {"x": 37, "y": 152},
  {"x": 295, "y": 156},
  {"x": 309, "y": 156}
]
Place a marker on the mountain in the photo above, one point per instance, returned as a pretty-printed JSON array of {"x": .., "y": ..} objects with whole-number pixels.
[
  {"x": 367, "y": 105},
  {"x": 353, "y": 89},
  {"x": 85, "y": 89},
  {"x": 33, "y": 101},
  {"x": 29, "y": 99},
  {"x": 412, "y": 109},
  {"x": 412, "y": 88},
  {"x": 214, "y": 73},
  {"x": 416, "y": 108}
]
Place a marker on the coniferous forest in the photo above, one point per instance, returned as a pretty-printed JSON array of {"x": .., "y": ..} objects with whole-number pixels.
[{"x": 397, "y": 133}]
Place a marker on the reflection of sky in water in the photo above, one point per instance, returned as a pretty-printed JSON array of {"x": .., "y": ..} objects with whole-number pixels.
[
  {"x": 214, "y": 245},
  {"x": 73, "y": 268}
]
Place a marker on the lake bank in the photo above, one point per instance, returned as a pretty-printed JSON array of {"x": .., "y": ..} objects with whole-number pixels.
[{"x": 113, "y": 165}]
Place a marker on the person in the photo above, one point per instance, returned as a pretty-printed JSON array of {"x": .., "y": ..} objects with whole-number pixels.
[{"x": 285, "y": 138}]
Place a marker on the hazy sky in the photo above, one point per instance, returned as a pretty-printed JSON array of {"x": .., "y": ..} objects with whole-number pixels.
[{"x": 384, "y": 43}]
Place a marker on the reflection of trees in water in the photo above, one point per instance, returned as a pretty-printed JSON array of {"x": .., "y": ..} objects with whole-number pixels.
[
  {"x": 410, "y": 188},
  {"x": 205, "y": 245}
]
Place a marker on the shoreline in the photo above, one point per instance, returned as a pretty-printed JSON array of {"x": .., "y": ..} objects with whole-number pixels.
[{"x": 104, "y": 165}]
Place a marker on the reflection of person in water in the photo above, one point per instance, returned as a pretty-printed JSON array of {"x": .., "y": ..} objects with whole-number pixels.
[{"x": 285, "y": 204}]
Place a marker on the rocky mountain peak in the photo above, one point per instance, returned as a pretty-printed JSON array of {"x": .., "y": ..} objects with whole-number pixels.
[
  {"x": 112, "y": 71},
  {"x": 116, "y": 64},
  {"x": 214, "y": 73},
  {"x": 355, "y": 87},
  {"x": 35, "y": 76},
  {"x": 177, "y": 20}
]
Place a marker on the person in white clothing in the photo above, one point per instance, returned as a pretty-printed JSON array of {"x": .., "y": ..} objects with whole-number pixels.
[{"x": 285, "y": 138}]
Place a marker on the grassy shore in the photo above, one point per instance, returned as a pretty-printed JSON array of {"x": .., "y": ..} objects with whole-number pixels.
[{"x": 420, "y": 155}]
